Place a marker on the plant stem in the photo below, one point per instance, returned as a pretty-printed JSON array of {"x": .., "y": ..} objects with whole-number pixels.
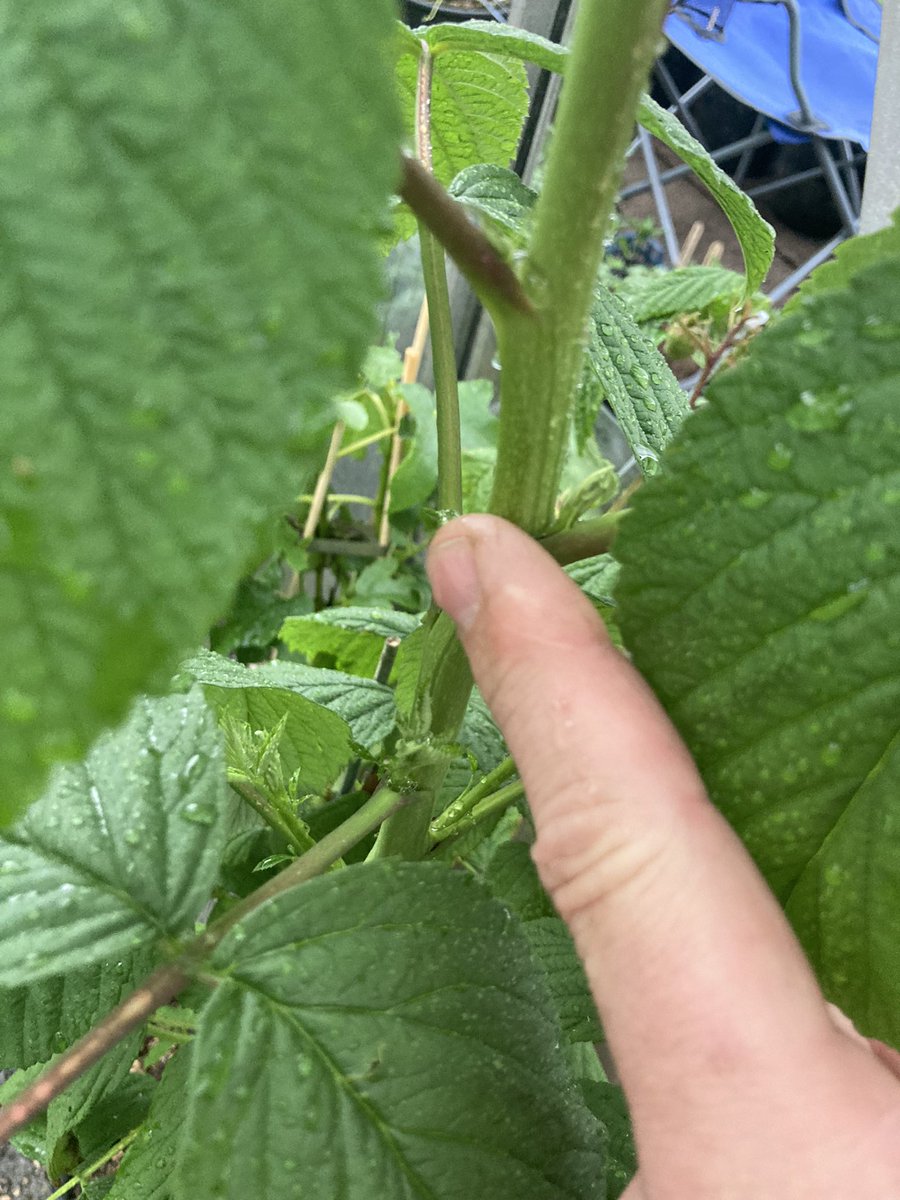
[
  {"x": 314, "y": 862},
  {"x": 167, "y": 981},
  {"x": 453, "y": 813},
  {"x": 84, "y": 1175},
  {"x": 293, "y": 831},
  {"x": 320, "y": 492},
  {"x": 443, "y": 363},
  {"x": 613, "y": 47},
  {"x": 442, "y": 693},
  {"x": 437, "y": 295},
  {"x": 162, "y": 986},
  {"x": 498, "y": 802},
  {"x": 491, "y": 278},
  {"x": 585, "y": 539}
]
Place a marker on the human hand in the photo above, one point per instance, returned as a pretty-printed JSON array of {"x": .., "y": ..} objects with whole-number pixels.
[{"x": 742, "y": 1083}]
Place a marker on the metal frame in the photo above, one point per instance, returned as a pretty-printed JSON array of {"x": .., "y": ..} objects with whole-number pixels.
[{"x": 837, "y": 159}]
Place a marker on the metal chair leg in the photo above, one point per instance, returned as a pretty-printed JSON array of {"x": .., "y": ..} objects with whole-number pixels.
[{"x": 659, "y": 196}]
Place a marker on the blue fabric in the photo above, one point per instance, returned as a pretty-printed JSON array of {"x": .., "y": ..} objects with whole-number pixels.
[{"x": 752, "y": 62}]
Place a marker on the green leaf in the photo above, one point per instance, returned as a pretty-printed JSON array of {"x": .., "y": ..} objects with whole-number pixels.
[
  {"x": 114, "y": 1116},
  {"x": 31, "y": 1140},
  {"x": 479, "y": 426},
  {"x": 313, "y": 743},
  {"x": 380, "y": 1031},
  {"x": 759, "y": 594},
  {"x": 596, "y": 577},
  {"x": 76, "y": 1103},
  {"x": 146, "y": 1170},
  {"x": 492, "y": 37},
  {"x": 122, "y": 849},
  {"x": 607, "y": 1102},
  {"x": 44, "y": 1018},
  {"x": 498, "y": 198},
  {"x": 511, "y": 877},
  {"x": 478, "y": 470},
  {"x": 554, "y": 951},
  {"x": 478, "y": 105},
  {"x": 351, "y": 638},
  {"x": 256, "y": 614},
  {"x": 315, "y": 740},
  {"x": 755, "y": 236},
  {"x": 659, "y": 295},
  {"x": 416, "y": 477},
  {"x": 849, "y": 258},
  {"x": 635, "y": 379},
  {"x": 172, "y": 218}
]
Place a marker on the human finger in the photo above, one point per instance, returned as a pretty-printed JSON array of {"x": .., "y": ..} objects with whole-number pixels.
[{"x": 696, "y": 973}]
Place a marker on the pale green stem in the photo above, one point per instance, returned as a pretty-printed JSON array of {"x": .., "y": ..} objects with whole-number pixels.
[
  {"x": 286, "y": 823},
  {"x": 455, "y": 811},
  {"x": 488, "y": 807},
  {"x": 542, "y": 355},
  {"x": 83, "y": 1176},
  {"x": 443, "y": 364}
]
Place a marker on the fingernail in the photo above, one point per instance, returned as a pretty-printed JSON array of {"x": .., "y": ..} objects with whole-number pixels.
[{"x": 453, "y": 573}]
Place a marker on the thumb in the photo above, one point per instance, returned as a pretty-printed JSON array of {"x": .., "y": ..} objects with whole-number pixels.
[{"x": 693, "y": 966}]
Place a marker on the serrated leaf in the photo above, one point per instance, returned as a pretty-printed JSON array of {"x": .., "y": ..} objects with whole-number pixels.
[
  {"x": 660, "y": 295},
  {"x": 44, "y": 1018},
  {"x": 497, "y": 197},
  {"x": 759, "y": 594},
  {"x": 313, "y": 743},
  {"x": 75, "y": 1104},
  {"x": 554, "y": 951},
  {"x": 352, "y": 637},
  {"x": 146, "y": 1170},
  {"x": 622, "y": 365},
  {"x": 114, "y": 1116},
  {"x": 172, "y": 218},
  {"x": 478, "y": 105},
  {"x": 511, "y": 876},
  {"x": 849, "y": 258},
  {"x": 121, "y": 850},
  {"x": 607, "y": 1102},
  {"x": 596, "y": 577},
  {"x": 363, "y": 706},
  {"x": 755, "y": 236},
  {"x": 635, "y": 379},
  {"x": 380, "y": 1031}
]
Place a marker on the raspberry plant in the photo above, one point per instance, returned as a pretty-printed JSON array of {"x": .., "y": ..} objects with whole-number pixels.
[{"x": 300, "y": 892}]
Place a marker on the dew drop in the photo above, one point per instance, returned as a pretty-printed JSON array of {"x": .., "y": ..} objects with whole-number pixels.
[
  {"x": 199, "y": 813},
  {"x": 755, "y": 498},
  {"x": 780, "y": 457},
  {"x": 831, "y": 755},
  {"x": 880, "y": 331},
  {"x": 832, "y": 609},
  {"x": 17, "y": 706},
  {"x": 820, "y": 411}
]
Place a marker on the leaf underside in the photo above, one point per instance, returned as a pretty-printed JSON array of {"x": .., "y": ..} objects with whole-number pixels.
[
  {"x": 759, "y": 594},
  {"x": 187, "y": 275}
]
